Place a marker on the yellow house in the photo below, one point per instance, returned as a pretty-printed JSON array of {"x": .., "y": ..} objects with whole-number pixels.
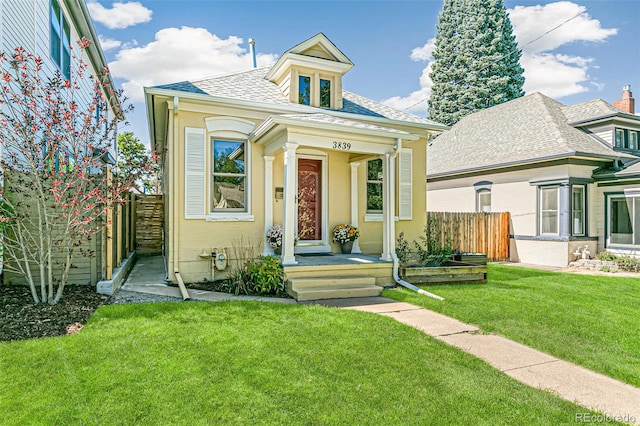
[{"x": 284, "y": 144}]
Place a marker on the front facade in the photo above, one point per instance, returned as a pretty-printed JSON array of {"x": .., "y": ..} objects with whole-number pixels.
[
  {"x": 569, "y": 176},
  {"x": 286, "y": 145},
  {"x": 50, "y": 29}
]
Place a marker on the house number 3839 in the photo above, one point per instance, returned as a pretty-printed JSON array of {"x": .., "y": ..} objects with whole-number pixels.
[{"x": 345, "y": 146}]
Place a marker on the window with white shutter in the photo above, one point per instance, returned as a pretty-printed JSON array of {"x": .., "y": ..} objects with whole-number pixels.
[
  {"x": 405, "y": 176},
  {"x": 195, "y": 176}
]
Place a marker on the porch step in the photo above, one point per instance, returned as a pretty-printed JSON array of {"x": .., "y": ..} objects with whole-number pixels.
[{"x": 316, "y": 288}]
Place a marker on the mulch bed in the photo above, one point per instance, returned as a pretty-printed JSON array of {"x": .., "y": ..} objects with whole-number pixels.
[{"x": 21, "y": 319}]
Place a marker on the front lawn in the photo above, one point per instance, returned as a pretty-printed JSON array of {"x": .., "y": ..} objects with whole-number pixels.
[
  {"x": 253, "y": 363},
  {"x": 586, "y": 319}
]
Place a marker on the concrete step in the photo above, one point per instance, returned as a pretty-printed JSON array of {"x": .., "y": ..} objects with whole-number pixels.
[
  {"x": 330, "y": 281},
  {"x": 335, "y": 292}
]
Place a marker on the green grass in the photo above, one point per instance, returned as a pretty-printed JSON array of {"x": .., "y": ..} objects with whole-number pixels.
[
  {"x": 586, "y": 319},
  {"x": 253, "y": 363}
]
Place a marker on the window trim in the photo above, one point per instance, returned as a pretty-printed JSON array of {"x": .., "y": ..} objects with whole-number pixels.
[
  {"x": 368, "y": 212},
  {"x": 557, "y": 210},
  {"x": 479, "y": 193},
  {"x": 608, "y": 217},
  {"x": 58, "y": 25},
  {"x": 583, "y": 187},
  {"x": 247, "y": 169}
]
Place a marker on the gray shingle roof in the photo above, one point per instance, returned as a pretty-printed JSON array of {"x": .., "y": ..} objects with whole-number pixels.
[
  {"x": 253, "y": 86},
  {"x": 589, "y": 110},
  {"x": 533, "y": 127}
]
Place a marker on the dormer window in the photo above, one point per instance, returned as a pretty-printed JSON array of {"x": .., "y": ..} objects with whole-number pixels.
[
  {"x": 310, "y": 73},
  {"x": 325, "y": 93},
  {"x": 627, "y": 139},
  {"x": 304, "y": 90}
]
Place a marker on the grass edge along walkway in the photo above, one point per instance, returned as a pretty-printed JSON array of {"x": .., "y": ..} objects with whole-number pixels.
[{"x": 258, "y": 363}]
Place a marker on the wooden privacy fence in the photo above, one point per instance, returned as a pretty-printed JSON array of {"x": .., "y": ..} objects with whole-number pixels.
[
  {"x": 474, "y": 232},
  {"x": 120, "y": 235},
  {"x": 149, "y": 224}
]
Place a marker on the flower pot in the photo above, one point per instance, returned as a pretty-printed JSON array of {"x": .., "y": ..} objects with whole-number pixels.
[
  {"x": 278, "y": 251},
  {"x": 346, "y": 247}
]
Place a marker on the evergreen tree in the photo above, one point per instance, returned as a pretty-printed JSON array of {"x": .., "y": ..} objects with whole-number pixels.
[{"x": 477, "y": 61}]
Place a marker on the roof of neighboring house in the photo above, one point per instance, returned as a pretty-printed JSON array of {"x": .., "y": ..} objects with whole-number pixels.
[
  {"x": 253, "y": 86},
  {"x": 524, "y": 130},
  {"x": 589, "y": 110},
  {"x": 629, "y": 170}
]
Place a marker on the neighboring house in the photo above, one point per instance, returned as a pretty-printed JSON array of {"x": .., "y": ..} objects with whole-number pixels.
[
  {"x": 569, "y": 175},
  {"x": 47, "y": 28},
  {"x": 284, "y": 144}
]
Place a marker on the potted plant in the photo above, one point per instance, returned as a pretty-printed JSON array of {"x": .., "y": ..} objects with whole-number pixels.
[
  {"x": 274, "y": 238},
  {"x": 345, "y": 234}
]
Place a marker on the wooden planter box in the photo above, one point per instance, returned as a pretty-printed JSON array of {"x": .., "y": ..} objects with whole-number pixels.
[
  {"x": 451, "y": 272},
  {"x": 471, "y": 258}
]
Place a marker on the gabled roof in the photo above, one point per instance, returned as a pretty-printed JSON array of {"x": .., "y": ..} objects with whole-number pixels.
[
  {"x": 252, "y": 86},
  {"x": 529, "y": 129},
  {"x": 317, "y": 50}
]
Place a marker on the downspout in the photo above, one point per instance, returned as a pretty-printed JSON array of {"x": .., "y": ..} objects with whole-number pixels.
[
  {"x": 394, "y": 256},
  {"x": 174, "y": 178}
]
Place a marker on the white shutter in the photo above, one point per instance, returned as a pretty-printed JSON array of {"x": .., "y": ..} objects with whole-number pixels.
[
  {"x": 405, "y": 176},
  {"x": 195, "y": 179}
]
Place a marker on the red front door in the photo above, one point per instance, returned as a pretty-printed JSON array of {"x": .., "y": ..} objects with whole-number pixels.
[{"x": 309, "y": 198}]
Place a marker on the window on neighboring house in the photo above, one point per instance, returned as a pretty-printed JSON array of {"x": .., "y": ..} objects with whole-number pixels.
[
  {"x": 627, "y": 139},
  {"x": 548, "y": 210},
  {"x": 304, "y": 90},
  {"x": 60, "y": 40},
  {"x": 624, "y": 221},
  {"x": 229, "y": 176},
  {"x": 578, "y": 207},
  {"x": 483, "y": 200},
  {"x": 325, "y": 93},
  {"x": 374, "y": 186}
]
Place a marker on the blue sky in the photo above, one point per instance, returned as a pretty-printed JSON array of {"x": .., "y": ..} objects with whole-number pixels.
[{"x": 162, "y": 41}]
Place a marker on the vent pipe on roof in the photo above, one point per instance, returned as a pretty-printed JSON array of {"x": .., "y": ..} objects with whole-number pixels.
[{"x": 252, "y": 51}]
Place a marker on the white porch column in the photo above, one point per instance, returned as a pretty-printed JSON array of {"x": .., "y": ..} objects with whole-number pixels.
[
  {"x": 289, "y": 205},
  {"x": 387, "y": 207},
  {"x": 354, "y": 203},
  {"x": 268, "y": 200}
]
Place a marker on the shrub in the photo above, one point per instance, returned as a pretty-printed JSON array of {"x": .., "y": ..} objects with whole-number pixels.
[
  {"x": 628, "y": 263},
  {"x": 266, "y": 275},
  {"x": 606, "y": 256},
  {"x": 433, "y": 251},
  {"x": 238, "y": 275},
  {"x": 403, "y": 251}
]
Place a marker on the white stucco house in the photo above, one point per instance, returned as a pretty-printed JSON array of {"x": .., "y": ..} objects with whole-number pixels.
[{"x": 569, "y": 175}]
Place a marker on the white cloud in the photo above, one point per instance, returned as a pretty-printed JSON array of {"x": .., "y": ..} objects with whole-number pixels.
[
  {"x": 554, "y": 74},
  {"x": 179, "y": 54},
  {"x": 109, "y": 43},
  {"x": 121, "y": 15},
  {"x": 527, "y": 26}
]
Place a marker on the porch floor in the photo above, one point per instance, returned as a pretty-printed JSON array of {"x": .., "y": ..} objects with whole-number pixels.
[{"x": 338, "y": 259}]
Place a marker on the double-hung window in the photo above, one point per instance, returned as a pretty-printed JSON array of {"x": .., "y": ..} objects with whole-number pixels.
[
  {"x": 229, "y": 175},
  {"x": 483, "y": 201},
  {"x": 374, "y": 186},
  {"x": 548, "y": 214},
  {"x": 304, "y": 90},
  {"x": 578, "y": 210},
  {"x": 623, "y": 228},
  {"x": 60, "y": 44}
]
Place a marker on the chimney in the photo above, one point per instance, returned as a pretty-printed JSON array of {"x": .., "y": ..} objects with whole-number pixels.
[
  {"x": 252, "y": 51},
  {"x": 627, "y": 103}
]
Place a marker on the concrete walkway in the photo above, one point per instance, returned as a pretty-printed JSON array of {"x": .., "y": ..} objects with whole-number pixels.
[
  {"x": 618, "y": 400},
  {"x": 534, "y": 368}
]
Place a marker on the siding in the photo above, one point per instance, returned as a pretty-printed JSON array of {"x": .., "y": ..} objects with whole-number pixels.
[{"x": 604, "y": 132}]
